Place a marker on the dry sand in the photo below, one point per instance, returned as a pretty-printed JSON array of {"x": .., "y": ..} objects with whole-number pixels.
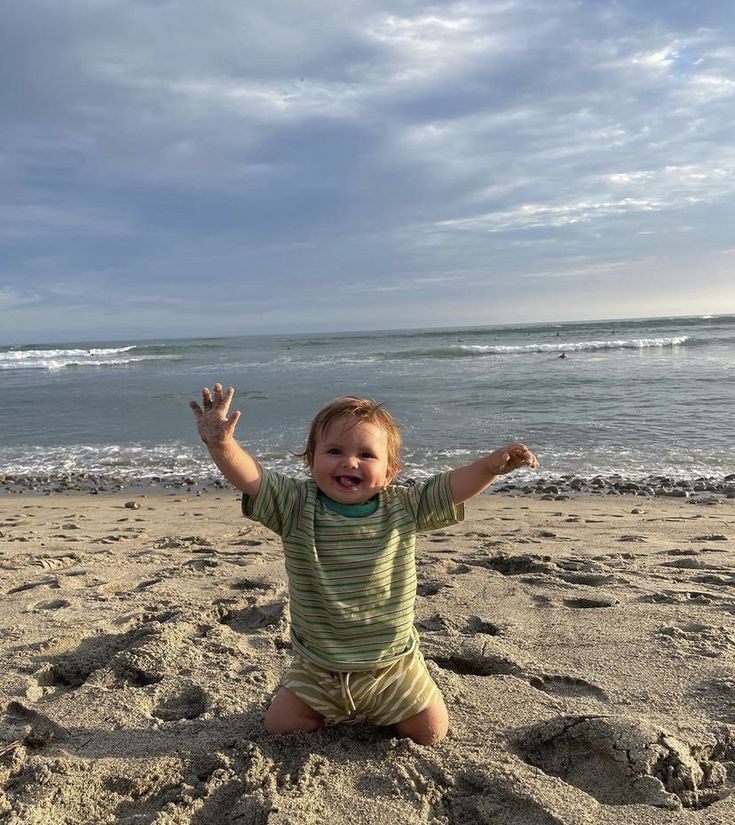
[{"x": 585, "y": 648}]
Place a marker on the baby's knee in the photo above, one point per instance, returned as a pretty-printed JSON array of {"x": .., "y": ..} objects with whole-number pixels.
[
  {"x": 430, "y": 736},
  {"x": 289, "y": 714},
  {"x": 428, "y": 727}
]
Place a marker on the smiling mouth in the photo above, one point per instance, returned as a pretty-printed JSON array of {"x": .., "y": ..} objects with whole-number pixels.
[{"x": 348, "y": 482}]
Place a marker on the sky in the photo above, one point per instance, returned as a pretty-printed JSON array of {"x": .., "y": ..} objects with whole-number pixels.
[{"x": 176, "y": 168}]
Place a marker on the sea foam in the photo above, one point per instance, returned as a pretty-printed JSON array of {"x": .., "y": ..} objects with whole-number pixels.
[
  {"x": 57, "y": 359},
  {"x": 576, "y": 346}
]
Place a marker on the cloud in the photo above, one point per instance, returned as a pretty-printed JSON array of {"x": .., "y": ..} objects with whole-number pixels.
[{"x": 297, "y": 152}]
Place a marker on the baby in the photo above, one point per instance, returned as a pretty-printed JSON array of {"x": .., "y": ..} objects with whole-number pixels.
[{"x": 348, "y": 536}]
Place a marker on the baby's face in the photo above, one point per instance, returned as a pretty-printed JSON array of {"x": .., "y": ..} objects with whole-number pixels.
[{"x": 350, "y": 462}]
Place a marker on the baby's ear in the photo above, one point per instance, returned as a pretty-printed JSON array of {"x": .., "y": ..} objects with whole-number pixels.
[{"x": 309, "y": 459}]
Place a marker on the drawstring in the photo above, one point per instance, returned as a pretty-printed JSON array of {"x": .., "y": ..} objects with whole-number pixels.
[{"x": 347, "y": 701}]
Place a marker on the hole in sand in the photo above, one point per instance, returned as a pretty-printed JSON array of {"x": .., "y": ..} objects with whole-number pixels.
[
  {"x": 587, "y": 603},
  {"x": 256, "y": 617},
  {"x": 514, "y": 565},
  {"x": 188, "y": 704},
  {"x": 477, "y": 665},
  {"x": 477, "y": 625}
]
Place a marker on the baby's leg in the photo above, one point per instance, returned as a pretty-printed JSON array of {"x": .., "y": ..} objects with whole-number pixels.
[
  {"x": 288, "y": 714},
  {"x": 428, "y": 727}
]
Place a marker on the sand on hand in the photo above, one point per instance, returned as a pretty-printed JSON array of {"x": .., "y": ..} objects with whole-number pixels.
[{"x": 585, "y": 648}]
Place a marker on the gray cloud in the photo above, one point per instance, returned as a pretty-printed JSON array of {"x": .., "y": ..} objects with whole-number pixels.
[{"x": 443, "y": 159}]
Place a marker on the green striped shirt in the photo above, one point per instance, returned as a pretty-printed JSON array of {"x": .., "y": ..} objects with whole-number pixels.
[{"x": 351, "y": 581}]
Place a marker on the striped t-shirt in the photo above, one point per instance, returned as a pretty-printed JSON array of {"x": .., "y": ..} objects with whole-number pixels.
[{"x": 351, "y": 581}]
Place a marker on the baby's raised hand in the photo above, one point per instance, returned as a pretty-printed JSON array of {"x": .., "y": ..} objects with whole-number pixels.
[
  {"x": 214, "y": 427},
  {"x": 510, "y": 458}
]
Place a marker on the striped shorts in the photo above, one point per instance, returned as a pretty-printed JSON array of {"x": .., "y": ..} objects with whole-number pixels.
[{"x": 382, "y": 697}]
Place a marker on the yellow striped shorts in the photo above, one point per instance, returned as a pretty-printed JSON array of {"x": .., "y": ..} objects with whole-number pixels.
[{"x": 382, "y": 697}]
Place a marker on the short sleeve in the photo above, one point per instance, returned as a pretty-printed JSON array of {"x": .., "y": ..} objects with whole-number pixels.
[
  {"x": 276, "y": 504},
  {"x": 430, "y": 502}
]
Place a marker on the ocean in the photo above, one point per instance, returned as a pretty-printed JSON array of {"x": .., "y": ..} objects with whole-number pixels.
[{"x": 632, "y": 398}]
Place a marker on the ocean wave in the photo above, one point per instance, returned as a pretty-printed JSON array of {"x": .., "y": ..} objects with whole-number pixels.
[
  {"x": 57, "y": 359},
  {"x": 576, "y": 346},
  {"x": 136, "y": 462},
  {"x": 130, "y": 460},
  {"x": 474, "y": 350}
]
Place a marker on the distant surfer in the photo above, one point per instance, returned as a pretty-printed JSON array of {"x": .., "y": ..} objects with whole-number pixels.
[{"x": 563, "y": 355}]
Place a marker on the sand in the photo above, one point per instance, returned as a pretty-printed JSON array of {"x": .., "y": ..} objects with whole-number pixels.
[{"x": 585, "y": 648}]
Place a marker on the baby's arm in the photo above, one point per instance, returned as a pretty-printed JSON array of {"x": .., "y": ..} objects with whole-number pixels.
[
  {"x": 217, "y": 432},
  {"x": 473, "y": 478}
]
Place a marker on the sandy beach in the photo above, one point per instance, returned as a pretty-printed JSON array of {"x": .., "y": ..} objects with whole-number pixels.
[{"x": 585, "y": 648}]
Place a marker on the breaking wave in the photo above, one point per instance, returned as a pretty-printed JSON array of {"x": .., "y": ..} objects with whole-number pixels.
[
  {"x": 57, "y": 359},
  {"x": 473, "y": 350}
]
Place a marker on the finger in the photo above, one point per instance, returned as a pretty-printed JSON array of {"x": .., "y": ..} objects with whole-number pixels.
[
  {"x": 206, "y": 398},
  {"x": 232, "y": 421},
  {"x": 218, "y": 393},
  {"x": 227, "y": 400},
  {"x": 197, "y": 409}
]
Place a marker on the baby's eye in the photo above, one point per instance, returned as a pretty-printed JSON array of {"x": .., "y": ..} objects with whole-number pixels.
[
  {"x": 367, "y": 455},
  {"x": 333, "y": 451}
]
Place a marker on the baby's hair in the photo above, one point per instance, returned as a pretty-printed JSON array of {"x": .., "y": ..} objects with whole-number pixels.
[{"x": 357, "y": 411}]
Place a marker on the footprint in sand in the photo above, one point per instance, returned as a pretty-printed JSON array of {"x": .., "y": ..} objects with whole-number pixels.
[
  {"x": 586, "y": 604},
  {"x": 514, "y": 565},
  {"x": 22, "y": 588},
  {"x": 477, "y": 625},
  {"x": 32, "y": 728},
  {"x": 568, "y": 686},
  {"x": 53, "y": 604},
  {"x": 690, "y": 564},
  {"x": 431, "y": 588},
  {"x": 251, "y": 584},
  {"x": 201, "y": 565},
  {"x": 187, "y": 703},
  {"x": 715, "y": 579},
  {"x": 476, "y": 663},
  {"x": 588, "y": 579},
  {"x": 69, "y": 671},
  {"x": 473, "y": 626},
  {"x": 246, "y": 543},
  {"x": 255, "y": 617},
  {"x": 471, "y": 664},
  {"x": 139, "y": 657}
]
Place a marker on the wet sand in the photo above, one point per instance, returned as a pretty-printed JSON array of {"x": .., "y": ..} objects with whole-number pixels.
[{"x": 585, "y": 648}]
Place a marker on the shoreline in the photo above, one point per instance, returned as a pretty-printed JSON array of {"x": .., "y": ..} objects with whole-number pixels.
[{"x": 702, "y": 490}]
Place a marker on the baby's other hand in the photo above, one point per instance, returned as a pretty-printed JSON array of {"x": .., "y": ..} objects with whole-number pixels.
[
  {"x": 512, "y": 457},
  {"x": 214, "y": 427}
]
